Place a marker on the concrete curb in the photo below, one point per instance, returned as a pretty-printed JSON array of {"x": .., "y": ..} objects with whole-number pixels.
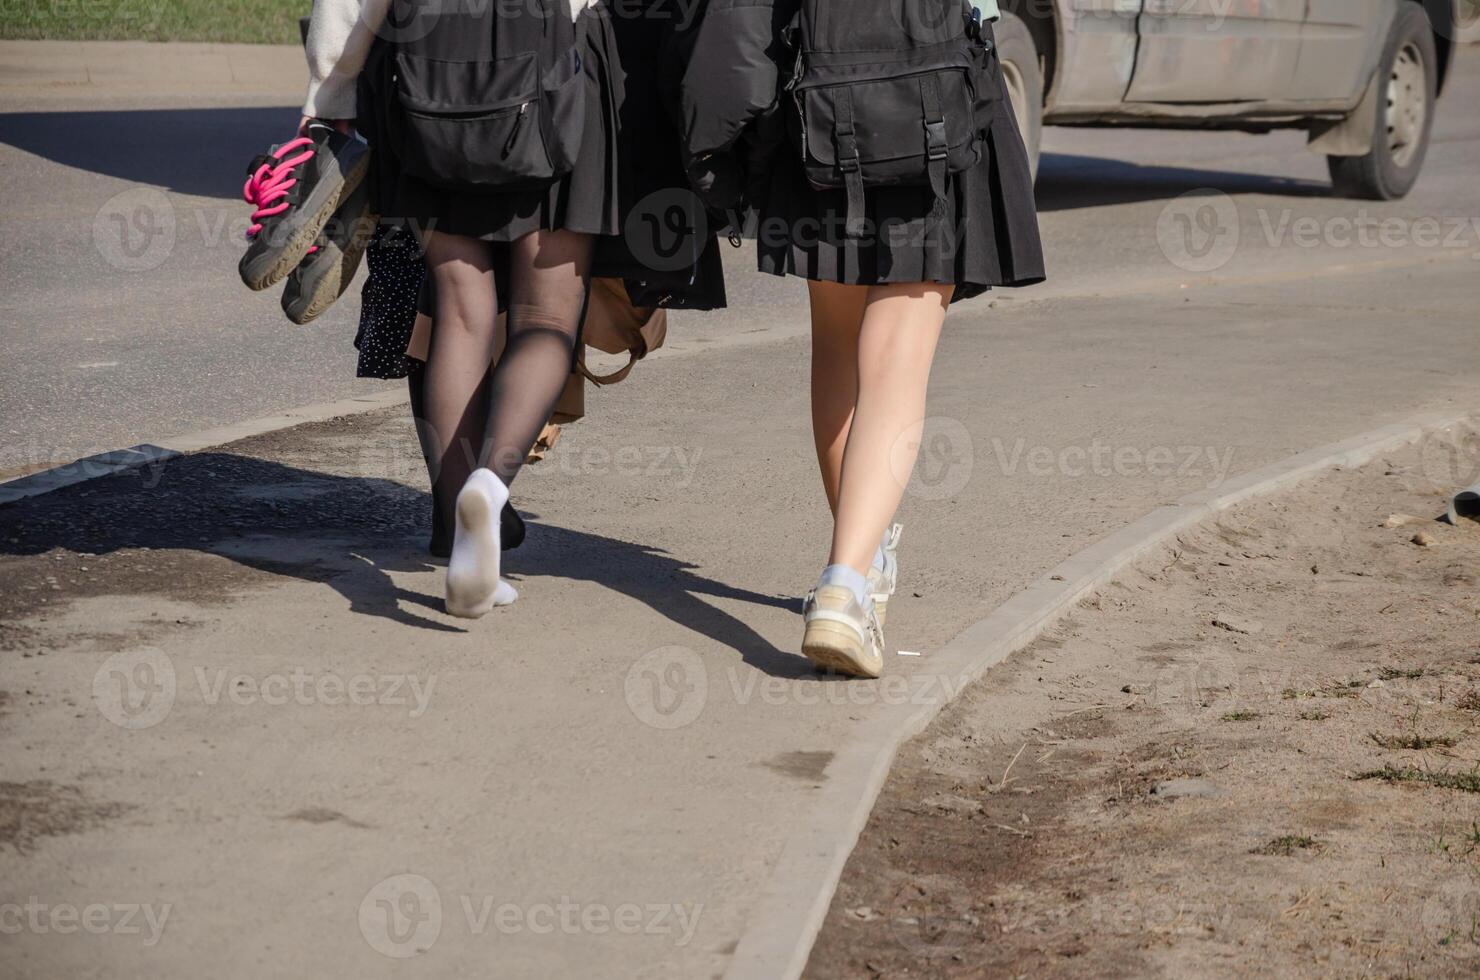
[
  {"x": 779, "y": 936},
  {"x": 147, "y": 454}
]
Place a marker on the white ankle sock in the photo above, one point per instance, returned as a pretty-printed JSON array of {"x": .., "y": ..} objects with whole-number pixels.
[
  {"x": 473, "y": 583},
  {"x": 848, "y": 578}
]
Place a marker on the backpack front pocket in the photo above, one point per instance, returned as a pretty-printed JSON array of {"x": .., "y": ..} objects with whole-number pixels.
[
  {"x": 473, "y": 124},
  {"x": 890, "y": 129}
]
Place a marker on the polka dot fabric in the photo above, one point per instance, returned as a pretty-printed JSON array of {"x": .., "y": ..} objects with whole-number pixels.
[{"x": 388, "y": 304}]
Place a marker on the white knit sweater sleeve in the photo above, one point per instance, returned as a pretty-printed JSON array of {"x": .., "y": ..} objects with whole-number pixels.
[{"x": 340, "y": 33}]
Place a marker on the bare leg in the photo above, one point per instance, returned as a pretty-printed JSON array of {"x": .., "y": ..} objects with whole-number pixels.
[
  {"x": 896, "y": 344},
  {"x": 837, "y": 317}
]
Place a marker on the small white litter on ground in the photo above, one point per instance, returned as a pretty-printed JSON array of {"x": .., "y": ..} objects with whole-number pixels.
[{"x": 909, "y": 653}]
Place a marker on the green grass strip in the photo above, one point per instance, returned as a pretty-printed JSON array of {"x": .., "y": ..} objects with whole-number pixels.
[{"x": 241, "y": 21}]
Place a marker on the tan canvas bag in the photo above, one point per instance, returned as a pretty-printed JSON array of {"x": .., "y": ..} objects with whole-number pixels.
[{"x": 613, "y": 326}]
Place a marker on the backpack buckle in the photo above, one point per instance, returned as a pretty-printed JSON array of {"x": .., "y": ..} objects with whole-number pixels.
[
  {"x": 937, "y": 147},
  {"x": 848, "y": 158}
]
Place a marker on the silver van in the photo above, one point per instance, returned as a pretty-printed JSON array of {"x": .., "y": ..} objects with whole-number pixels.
[{"x": 1360, "y": 76}]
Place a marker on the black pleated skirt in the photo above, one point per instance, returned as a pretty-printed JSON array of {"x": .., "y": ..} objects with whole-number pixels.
[
  {"x": 584, "y": 200},
  {"x": 983, "y": 234}
]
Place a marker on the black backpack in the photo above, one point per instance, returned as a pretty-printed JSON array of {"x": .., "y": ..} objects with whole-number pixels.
[
  {"x": 490, "y": 94},
  {"x": 887, "y": 92}
]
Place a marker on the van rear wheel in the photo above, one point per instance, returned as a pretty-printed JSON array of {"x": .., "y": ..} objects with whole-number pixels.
[{"x": 1408, "y": 76}]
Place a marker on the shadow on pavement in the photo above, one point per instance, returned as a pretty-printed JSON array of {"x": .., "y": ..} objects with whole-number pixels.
[
  {"x": 203, "y": 152},
  {"x": 146, "y": 531},
  {"x": 1068, "y": 181}
]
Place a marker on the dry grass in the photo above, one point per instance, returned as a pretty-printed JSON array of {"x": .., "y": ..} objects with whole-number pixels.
[
  {"x": 1286, "y": 845},
  {"x": 1416, "y": 743},
  {"x": 1466, "y": 782}
]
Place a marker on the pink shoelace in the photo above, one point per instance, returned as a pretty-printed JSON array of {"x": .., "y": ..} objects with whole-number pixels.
[{"x": 268, "y": 187}]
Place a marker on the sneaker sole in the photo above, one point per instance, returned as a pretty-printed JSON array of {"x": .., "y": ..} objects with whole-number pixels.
[
  {"x": 330, "y": 286},
  {"x": 302, "y": 240},
  {"x": 327, "y": 290},
  {"x": 834, "y": 646}
]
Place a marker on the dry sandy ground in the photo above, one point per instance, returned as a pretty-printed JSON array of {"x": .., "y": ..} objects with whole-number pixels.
[{"x": 1306, "y": 674}]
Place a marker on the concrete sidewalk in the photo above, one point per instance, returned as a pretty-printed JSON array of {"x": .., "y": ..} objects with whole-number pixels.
[
  {"x": 43, "y": 72},
  {"x": 236, "y": 705}
]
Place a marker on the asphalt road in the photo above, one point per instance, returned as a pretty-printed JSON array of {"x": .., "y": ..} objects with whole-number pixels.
[{"x": 125, "y": 321}]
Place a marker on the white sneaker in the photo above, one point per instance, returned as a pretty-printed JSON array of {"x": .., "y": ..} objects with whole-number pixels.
[
  {"x": 473, "y": 583},
  {"x": 841, "y": 635},
  {"x": 883, "y": 582}
]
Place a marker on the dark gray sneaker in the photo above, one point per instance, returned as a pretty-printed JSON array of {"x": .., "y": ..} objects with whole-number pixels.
[
  {"x": 330, "y": 265},
  {"x": 296, "y": 189}
]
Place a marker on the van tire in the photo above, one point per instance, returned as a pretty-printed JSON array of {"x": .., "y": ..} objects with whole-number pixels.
[{"x": 1409, "y": 77}]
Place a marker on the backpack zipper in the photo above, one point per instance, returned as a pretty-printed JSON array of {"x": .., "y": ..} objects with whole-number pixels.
[
  {"x": 797, "y": 68},
  {"x": 514, "y": 133}
]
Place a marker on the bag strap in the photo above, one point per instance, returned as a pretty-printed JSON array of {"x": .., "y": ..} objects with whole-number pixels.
[
  {"x": 937, "y": 146},
  {"x": 849, "y": 162},
  {"x": 607, "y": 379}
]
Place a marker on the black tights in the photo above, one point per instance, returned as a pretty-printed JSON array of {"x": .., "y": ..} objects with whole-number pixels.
[
  {"x": 430, "y": 449},
  {"x": 469, "y": 418}
]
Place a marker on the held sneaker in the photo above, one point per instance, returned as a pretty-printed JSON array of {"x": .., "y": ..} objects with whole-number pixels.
[
  {"x": 326, "y": 271},
  {"x": 883, "y": 581},
  {"x": 296, "y": 188},
  {"x": 840, "y": 634}
]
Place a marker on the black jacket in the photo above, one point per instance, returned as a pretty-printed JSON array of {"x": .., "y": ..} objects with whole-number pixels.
[
  {"x": 651, "y": 38},
  {"x": 737, "y": 63}
]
